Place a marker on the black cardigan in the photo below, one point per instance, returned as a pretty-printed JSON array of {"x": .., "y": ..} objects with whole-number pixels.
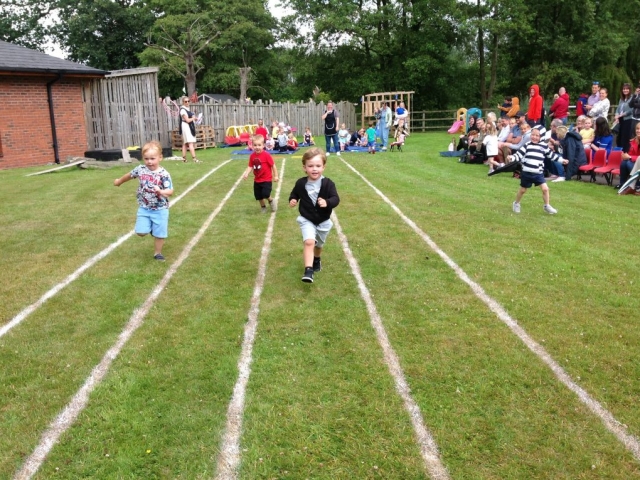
[{"x": 315, "y": 213}]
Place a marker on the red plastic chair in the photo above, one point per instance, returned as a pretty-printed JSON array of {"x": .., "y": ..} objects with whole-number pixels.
[
  {"x": 615, "y": 159},
  {"x": 587, "y": 167},
  {"x": 599, "y": 160}
]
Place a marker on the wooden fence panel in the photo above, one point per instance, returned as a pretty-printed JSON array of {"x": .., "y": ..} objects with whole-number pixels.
[
  {"x": 221, "y": 116},
  {"x": 122, "y": 110}
]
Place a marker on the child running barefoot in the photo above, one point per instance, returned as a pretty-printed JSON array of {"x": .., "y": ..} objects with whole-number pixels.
[
  {"x": 316, "y": 197},
  {"x": 264, "y": 171},
  {"x": 532, "y": 156},
  {"x": 154, "y": 191}
]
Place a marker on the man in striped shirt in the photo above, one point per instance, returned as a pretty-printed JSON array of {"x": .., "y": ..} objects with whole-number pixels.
[{"x": 532, "y": 156}]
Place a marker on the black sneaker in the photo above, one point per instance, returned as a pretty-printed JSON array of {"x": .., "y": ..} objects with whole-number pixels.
[
  {"x": 159, "y": 257},
  {"x": 317, "y": 265},
  {"x": 308, "y": 275}
]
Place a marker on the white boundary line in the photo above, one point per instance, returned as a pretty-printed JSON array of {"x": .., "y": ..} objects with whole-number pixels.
[
  {"x": 607, "y": 418},
  {"x": 428, "y": 446},
  {"x": 229, "y": 457},
  {"x": 80, "y": 400},
  {"x": 88, "y": 264}
]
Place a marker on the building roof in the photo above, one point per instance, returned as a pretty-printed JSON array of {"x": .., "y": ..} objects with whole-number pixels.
[
  {"x": 14, "y": 58},
  {"x": 216, "y": 97}
]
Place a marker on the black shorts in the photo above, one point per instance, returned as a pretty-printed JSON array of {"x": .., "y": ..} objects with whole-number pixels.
[{"x": 262, "y": 190}]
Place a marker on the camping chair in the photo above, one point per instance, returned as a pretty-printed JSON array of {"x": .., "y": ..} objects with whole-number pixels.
[
  {"x": 615, "y": 159},
  {"x": 599, "y": 160}
]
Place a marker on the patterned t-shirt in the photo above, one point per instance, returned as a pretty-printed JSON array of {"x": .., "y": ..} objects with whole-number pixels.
[{"x": 147, "y": 196}]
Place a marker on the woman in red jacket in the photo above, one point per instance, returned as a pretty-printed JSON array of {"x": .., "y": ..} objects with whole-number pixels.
[{"x": 535, "y": 106}]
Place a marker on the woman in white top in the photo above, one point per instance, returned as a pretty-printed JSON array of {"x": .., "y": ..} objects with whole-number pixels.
[
  {"x": 188, "y": 130},
  {"x": 601, "y": 107}
]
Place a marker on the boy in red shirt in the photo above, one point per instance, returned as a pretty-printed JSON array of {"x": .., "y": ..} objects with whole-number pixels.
[{"x": 264, "y": 171}]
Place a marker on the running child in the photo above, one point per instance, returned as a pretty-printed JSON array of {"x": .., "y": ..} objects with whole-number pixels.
[
  {"x": 532, "y": 156},
  {"x": 316, "y": 197},
  {"x": 153, "y": 194},
  {"x": 264, "y": 171}
]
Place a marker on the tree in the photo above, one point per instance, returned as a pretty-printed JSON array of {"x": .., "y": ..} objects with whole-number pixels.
[
  {"x": 104, "y": 34},
  {"x": 22, "y": 22}
]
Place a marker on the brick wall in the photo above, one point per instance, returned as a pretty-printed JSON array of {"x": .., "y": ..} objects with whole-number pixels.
[{"x": 25, "y": 129}]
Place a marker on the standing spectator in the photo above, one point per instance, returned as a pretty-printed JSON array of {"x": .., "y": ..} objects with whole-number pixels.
[
  {"x": 384, "y": 123},
  {"x": 623, "y": 117},
  {"x": 402, "y": 114},
  {"x": 331, "y": 119},
  {"x": 601, "y": 107},
  {"x": 261, "y": 130},
  {"x": 535, "y": 106},
  {"x": 594, "y": 97},
  {"x": 634, "y": 103},
  {"x": 560, "y": 108},
  {"x": 188, "y": 130},
  {"x": 505, "y": 107}
]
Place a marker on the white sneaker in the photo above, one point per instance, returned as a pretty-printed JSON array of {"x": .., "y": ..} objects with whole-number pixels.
[
  {"x": 338, "y": 153},
  {"x": 550, "y": 210},
  {"x": 516, "y": 207},
  {"x": 384, "y": 149},
  {"x": 328, "y": 153},
  {"x": 500, "y": 165},
  {"x": 559, "y": 179}
]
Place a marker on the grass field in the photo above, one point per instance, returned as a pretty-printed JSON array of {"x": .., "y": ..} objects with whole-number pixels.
[{"x": 517, "y": 335}]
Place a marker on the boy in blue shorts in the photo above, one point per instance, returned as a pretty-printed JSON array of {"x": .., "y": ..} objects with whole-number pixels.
[
  {"x": 532, "y": 156},
  {"x": 264, "y": 171},
  {"x": 316, "y": 197},
  {"x": 371, "y": 138},
  {"x": 153, "y": 194}
]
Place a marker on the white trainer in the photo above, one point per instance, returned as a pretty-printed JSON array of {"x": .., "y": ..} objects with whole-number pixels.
[
  {"x": 550, "y": 210},
  {"x": 338, "y": 153},
  {"x": 559, "y": 179},
  {"x": 328, "y": 153},
  {"x": 516, "y": 207}
]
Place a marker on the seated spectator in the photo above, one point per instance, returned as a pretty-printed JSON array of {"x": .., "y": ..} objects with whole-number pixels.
[
  {"x": 472, "y": 130},
  {"x": 505, "y": 129},
  {"x": 572, "y": 152},
  {"x": 364, "y": 141},
  {"x": 308, "y": 137},
  {"x": 601, "y": 107},
  {"x": 587, "y": 133},
  {"x": 629, "y": 159},
  {"x": 560, "y": 108},
  {"x": 353, "y": 138},
  {"x": 270, "y": 144},
  {"x": 515, "y": 140},
  {"x": 603, "y": 138},
  {"x": 477, "y": 150},
  {"x": 579, "y": 124},
  {"x": 292, "y": 143}
]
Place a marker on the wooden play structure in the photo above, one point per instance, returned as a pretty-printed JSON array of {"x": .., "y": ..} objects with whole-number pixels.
[{"x": 372, "y": 101}]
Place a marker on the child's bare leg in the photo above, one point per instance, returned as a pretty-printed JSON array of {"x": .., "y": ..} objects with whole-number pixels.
[
  {"x": 545, "y": 193},
  {"x": 158, "y": 244},
  {"x": 307, "y": 253},
  {"x": 520, "y": 194},
  {"x": 261, "y": 202}
]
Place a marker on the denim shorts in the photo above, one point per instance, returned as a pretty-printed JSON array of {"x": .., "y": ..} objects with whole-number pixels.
[
  {"x": 528, "y": 179},
  {"x": 155, "y": 222},
  {"x": 310, "y": 231}
]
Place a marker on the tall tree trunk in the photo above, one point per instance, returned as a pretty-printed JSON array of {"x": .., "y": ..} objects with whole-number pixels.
[
  {"x": 190, "y": 76},
  {"x": 494, "y": 64},
  {"x": 244, "y": 82},
  {"x": 483, "y": 91}
]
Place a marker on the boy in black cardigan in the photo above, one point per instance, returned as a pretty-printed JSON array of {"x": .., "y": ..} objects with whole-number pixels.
[{"x": 316, "y": 197}]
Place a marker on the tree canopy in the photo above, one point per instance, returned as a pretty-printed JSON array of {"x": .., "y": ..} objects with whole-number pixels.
[{"x": 451, "y": 53}]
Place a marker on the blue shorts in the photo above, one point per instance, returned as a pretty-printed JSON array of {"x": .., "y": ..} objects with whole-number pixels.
[
  {"x": 528, "y": 179},
  {"x": 372, "y": 143},
  {"x": 155, "y": 222},
  {"x": 310, "y": 231}
]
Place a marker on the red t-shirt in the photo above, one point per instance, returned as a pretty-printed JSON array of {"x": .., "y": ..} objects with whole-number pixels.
[
  {"x": 262, "y": 131},
  {"x": 261, "y": 164}
]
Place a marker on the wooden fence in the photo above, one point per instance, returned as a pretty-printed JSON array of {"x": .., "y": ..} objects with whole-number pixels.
[
  {"x": 430, "y": 120},
  {"x": 122, "y": 110},
  {"x": 221, "y": 116}
]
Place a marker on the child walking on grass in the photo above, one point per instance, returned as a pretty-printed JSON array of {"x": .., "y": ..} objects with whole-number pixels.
[
  {"x": 154, "y": 191},
  {"x": 532, "y": 156},
  {"x": 316, "y": 197},
  {"x": 371, "y": 138},
  {"x": 264, "y": 171}
]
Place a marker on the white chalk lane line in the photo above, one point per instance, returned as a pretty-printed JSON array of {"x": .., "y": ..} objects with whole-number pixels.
[
  {"x": 20, "y": 317},
  {"x": 610, "y": 422}
]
